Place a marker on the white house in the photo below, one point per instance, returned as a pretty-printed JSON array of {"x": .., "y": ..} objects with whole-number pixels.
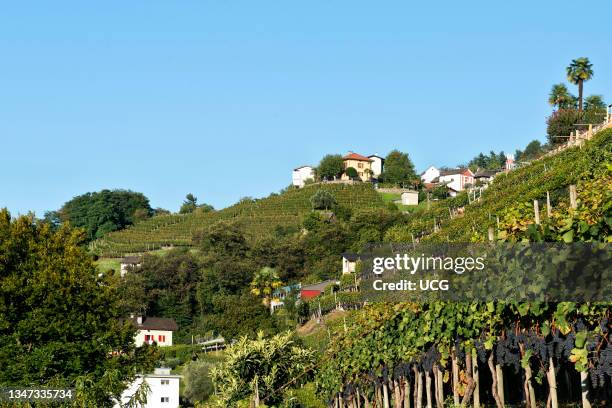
[
  {"x": 163, "y": 389},
  {"x": 349, "y": 262},
  {"x": 127, "y": 262},
  {"x": 410, "y": 198},
  {"x": 430, "y": 174},
  {"x": 377, "y": 165},
  {"x": 485, "y": 176},
  {"x": 457, "y": 179},
  {"x": 151, "y": 330},
  {"x": 301, "y": 174}
]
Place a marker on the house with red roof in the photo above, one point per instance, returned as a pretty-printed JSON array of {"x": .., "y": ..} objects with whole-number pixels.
[{"x": 362, "y": 164}]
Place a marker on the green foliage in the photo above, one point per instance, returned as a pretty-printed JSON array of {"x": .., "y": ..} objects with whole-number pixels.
[
  {"x": 398, "y": 169},
  {"x": 561, "y": 98},
  {"x": 533, "y": 150},
  {"x": 256, "y": 219},
  {"x": 579, "y": 71},
  {"x": 264, "y": 283},
  {"x": 197, "y": 380},
  {"x": 560, "y": 124},
  {"x": 260, "y": 368},
  {"x": 322, "y": 200},
  {"x": 492, "y": 161},
  {"x": 191, "y": 204},
  {"x": 331, "y": 166},
  {"x": 59, "y": 324},
  {"x": 351, "y": 172},
  {"x": 105, "y": 211}
]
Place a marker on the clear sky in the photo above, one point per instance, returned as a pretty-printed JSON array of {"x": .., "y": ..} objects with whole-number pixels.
[{"x": 223, "y": 98}]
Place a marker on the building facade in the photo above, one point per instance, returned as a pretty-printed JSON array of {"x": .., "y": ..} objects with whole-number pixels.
[
  {"x": 362, "y": 164},
  {"x": 430, "y": 174},
  {"x": 163, "y": 389},
  {"x": 457, "y": 179},
  {"x": 376, "y": 165},
  {"x": 301, "y": 174},
  {"x": 151, "y": 330}
]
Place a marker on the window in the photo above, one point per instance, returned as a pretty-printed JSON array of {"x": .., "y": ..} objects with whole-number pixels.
[
  {"x": 148, "y": 338},
  {"x": 360, "y": 165},
  {"x": 165, "y": 399},
  {"x": 165, "y": 382},
  {"x": 162, "y": 337}
]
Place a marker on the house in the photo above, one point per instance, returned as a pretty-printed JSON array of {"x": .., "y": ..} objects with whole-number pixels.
[
  {"x": 280, "y": 294},
  {"x": 430, "y": 174},
  {"x": 151, "y": 330},
  {"x": 510, "y": 164},
  {"x": 216, "y": 344},
  {"x": 312, "y": 291},
  {"x": 410, "y": 198},
  {"x": 456, "y": 179},
  {"x": 362, "y": 164},
  {"x": 301, "y": 174},
  {"x": 485, "y": 176},
  {"x": 349, "y": 262},
  {"x": 129, "y": 262},
  {"x": 163, "y": 390},
  {"x": 377, "y": 164}
]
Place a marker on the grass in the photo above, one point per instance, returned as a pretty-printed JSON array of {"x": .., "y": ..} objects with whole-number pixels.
[
  {"x": 390, "y": 197},
  {"x": 106, "y": 264}
]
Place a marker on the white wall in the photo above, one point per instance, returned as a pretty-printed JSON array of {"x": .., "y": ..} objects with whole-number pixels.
[
  {"x": 157, "y": 390},
  {"x": 376, "y": 165},
  {"x": 457, "y": 181},
  {"x": 430, "y": 174},
  {"x": 299, "y": 176},
  {"x": 348, "y": 266},
  {"x": 140, "y": 337},
  {"x": 410, "y": 198}
]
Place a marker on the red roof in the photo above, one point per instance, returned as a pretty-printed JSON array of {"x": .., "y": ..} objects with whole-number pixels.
[
  {"x": 309, "y": 294},
  {"x": 355, "y": 156}
]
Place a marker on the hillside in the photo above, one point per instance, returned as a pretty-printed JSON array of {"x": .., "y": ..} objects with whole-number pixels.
[
  {"x": 553, "y": 174},
  {"x": 259, "y": 217}
]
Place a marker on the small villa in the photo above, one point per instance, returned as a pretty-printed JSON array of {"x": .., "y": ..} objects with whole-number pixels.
[
  {"x": 150, "y": 330},
  {"x": 129, "y": 262}
]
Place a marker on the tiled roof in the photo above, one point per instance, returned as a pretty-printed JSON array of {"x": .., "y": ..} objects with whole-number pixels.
[
  {"x": 355, "y": 156},
  {"x": 131, "y": 260},
  {"x": 453, "y": 171},
  {"x": 154, "y": 323}
]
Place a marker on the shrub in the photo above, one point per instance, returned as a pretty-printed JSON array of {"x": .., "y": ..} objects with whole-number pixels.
[
  {"x": 322, "y": 200},
  {"x": 561, "y": 123},
  {"x": 351, "y": 172}
]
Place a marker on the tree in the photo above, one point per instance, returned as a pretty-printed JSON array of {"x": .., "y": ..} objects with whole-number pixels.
[
  {"x": 351, "y": 172},
  {"x": 59, "y": 323},
  {"x": 560, "y": 124},
  {"x": 259, "y": 369},
  {"x": 595, "y": 109},
  {"x": 105, "y": 211},
  {"x": 532, "y": 151},
  {"x": 198, "y": 384},
  {"x": 189, "y": 205},
  {"x": 561, "y": 98},
  {"x": 322, "y": 200},
  {"x": 264, "y": 283},
  {"x": 579, "y": 71},
  {"x": 330, "y": 167},
  {"x": 399, "y": 169}
]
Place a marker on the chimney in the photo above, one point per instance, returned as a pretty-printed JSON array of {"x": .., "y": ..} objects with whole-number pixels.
[{"x": 139, "y": 320}]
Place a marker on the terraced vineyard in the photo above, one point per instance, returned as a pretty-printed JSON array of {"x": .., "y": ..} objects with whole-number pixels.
[{"x": 259, "y": 217}]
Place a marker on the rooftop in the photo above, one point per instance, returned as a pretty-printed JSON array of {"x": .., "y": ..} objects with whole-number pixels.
[{"x": 355, "y": 156}]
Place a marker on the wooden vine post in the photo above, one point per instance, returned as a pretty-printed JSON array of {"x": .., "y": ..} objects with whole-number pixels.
[
  {"x": 476, "y": 377},
  {"x": 455, "y": 368},
  {"x": 428, "y": 389},
  {"x": 548, "y": 207},
  {"x": 573, "y": 196},
  {"x": 536, "y": 211},
  {"x": 552, "y": 383},
  {"x": 584, "y": 388},
  {"x": 494, "y": 385},
  {"x": 499, "y": 373}
]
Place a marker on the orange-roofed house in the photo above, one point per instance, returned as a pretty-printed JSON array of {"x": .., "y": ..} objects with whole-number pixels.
[{"x": 362, "y": 164}]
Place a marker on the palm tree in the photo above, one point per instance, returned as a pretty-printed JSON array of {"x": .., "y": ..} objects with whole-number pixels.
[
  {"x": 264, "y": 282},
  {"x": 578, "y": 71},
  {"x": 560, "y": 97}
]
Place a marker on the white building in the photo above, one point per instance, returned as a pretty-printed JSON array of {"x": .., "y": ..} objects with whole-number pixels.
[
  {"x": 410, "y": 198},
  {"x": 430, "y": 174},
  {"x": 457, "y": 179},
  {"x": 127, "y": 262},
  {"x": 151, "y": 330},
  {"x": 377, "y": 165},
  {"x": 163, "y": 389},
  {"x": 349, "y": 262},
  {"x": 301, "y": 174}
]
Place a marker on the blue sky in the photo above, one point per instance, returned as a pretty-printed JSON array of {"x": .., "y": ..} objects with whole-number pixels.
[{"x": 224, "y": 98}]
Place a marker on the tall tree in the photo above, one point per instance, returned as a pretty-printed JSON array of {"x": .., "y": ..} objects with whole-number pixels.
[
  {"x": 189, "y": 205},
  {"x": 330, "y": 166},
  {"x": 59, "y": 323},
  {"x": 105, "y": 211},
  {"x": 561, "y": 98},
  {"x": 578, "y": 71},
  {"x": 398, "y": 169},
  {"x": 594, "y": 102}
]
